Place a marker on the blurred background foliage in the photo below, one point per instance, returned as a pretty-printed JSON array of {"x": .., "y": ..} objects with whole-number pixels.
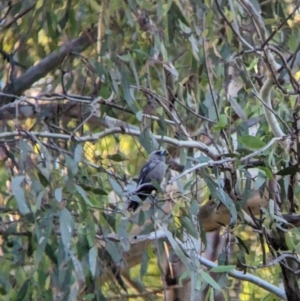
[{"x": 54, "y": 192}]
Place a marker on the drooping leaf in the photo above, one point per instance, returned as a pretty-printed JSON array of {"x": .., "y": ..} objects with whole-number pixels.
[
  {"x": 93, "y": 264},
  {"x": 66, "y": 226},
  {"x": 23, "y": 291},
  {"x": 81, "y": 191},
  {"x": 78, "y": 152},
  {"x": 42, "y": 232},
  {"x": 267, "y": 171},
  {"x": 44, "y": 181},
  {"x": 246, "y": 191},
  {"x": 116, "y": 187},
  {"x": 222, "y": 123},
  {"x": 58, "y": 194},
  {"x": 78, "y": 268},
  {"x": 19, "y": 194},
  {"x": 128, "y": 94},
  {"x": 208, "y": 279},
  {"x": 148, "y": 141},
  {"x": 176, "y": 247},
  {"x": 71, "y": 166},
  {"x": 144, "y": 264},
  {"x": 188, "y": 226}
]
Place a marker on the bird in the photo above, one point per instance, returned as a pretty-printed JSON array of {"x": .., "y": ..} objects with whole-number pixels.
[{"x": 153, "y": 170}]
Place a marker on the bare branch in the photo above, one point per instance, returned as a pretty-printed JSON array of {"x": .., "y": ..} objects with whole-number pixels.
[
  {"x": 219, "y": 162},
  {"x": 116, "y": 130}
]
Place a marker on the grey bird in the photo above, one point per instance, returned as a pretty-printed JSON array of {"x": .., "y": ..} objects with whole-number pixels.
[{"x": 153, "y": 170}]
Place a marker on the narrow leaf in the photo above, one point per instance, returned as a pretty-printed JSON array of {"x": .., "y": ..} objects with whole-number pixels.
[
  {"x": 188, "y": 226},
  {"x": 207, "y": 278},
  {"x": 83, "y": 194},
  {"x": 144, "y": 264},
  {"x": 116, "y": 157},
  {"x": 93, "y": 255},
  {"x": 222, "y": 268},
  {"x": 58, "y": 194},
  {"x": 66, "y": 227},
  {"x": 290, "y": 170},
  {"x": 18, "y": 193},
  {"x": 78, "y": 153}
]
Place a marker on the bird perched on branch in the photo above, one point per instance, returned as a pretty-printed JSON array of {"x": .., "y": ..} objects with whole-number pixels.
[{"x": 153, "y": 171}]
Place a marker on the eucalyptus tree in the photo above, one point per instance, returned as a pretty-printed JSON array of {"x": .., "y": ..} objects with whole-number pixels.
[{"x": 88, "y": 89}]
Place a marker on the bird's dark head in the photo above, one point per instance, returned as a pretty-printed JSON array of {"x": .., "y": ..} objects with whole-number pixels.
[{"x": 158, "y": 155}]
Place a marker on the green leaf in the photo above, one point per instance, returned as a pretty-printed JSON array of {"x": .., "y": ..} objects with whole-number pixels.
[
  {"x": 208, "y": 279},
  {"x": 116, "y": 157},
  {"x": 116, "y": 187},
  {"x": 290, "y": 170},
  {"x": 289, "y": 241},
  {"x": 125, "y": 84},
  {"x": 125, "y": 57},
  {"x": 78, "y": 153},
  {"x": 251, "y": 141},
  {"x": 139, "y": 115},
  {"x": 89, "y": 297},
  {"x": 246, "y": 192},
  {"x": 222, "y": 268},
  {"x": 267, "y": 171},
  {"x": 66, "y": 225},
  {"x": 58, "y": 194},
  {"x": 19, "y": 195},
  {"x": 222, "y": 123},
  {"x": 71, "y": 166},
  {"x": 182, "y": 277},
  {"x": 144, "y": 264},
  {"x": 148, "y": 141},
  {"x": 97, "y": 191},
  {"x": 23, "y": 291},
  {"x": 83, "y": 194},
  {"x": 228, "y": 202},
  {"x": 78, "y": 268},
  {"x": 188, "y": 226},
  {"x": 218, "y": 193},
  {"x": 42, "y": 232},
  {"x": 135, "y": 74},
  {"x": 43, "y": 179},
  {"x": 176, "y": 247}
]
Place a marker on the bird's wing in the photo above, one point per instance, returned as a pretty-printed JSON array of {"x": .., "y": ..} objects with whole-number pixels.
[{"x": 145, "y": 171}]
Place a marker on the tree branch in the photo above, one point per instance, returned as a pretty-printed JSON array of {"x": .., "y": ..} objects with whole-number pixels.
[
  {"x": 160, "y": 234},
  {"x": 49, "y": 63}
]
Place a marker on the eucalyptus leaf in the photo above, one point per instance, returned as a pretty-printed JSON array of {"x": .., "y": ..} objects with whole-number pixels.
[
  {"x": 208, "y": 279},
  {"x": 188, "y": 226},
  {"x": 66, "y": 225},
  {"x": 222, "y": 269},
  {"x": 144, "y": 264},
  {"x": 93, "y": 257},
  {"x": 81, "y": 191},
  {"x": 58, "y": 194},
  {"x": 42, "y": 232},
  {"x": 116, "y": 157},
  {"x": 19, "y": 194},
  {"x": 78, "y": 153},
  {"x": 251, "y": 142}
]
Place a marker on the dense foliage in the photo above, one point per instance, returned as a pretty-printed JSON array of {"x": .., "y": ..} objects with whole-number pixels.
[{"x": 89, "y": 89}]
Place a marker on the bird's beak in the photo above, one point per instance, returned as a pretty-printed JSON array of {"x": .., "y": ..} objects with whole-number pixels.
[{"x": 163, "y": 152}]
